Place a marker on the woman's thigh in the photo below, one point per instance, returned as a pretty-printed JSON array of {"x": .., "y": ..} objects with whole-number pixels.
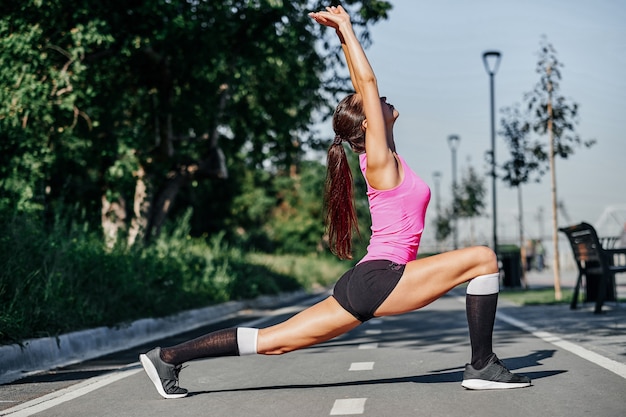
[{"x": 425, "y": 280}]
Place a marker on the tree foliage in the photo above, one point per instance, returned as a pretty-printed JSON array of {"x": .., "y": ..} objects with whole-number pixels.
[
  {"x": 443, "y": 225},
  {"x": 549, "y": 109},
  {"x": 549, "y": 113},
  {"x": 528, "y": 158},
  {"x": 469, "y": 201},
  {"x": 544, "y": 108},
  {"x": 123, "y": 110}
]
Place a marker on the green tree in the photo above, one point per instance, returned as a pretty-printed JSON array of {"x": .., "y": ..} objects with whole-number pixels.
[
  {"x": 553, "y": 114},
  {"x": 469, "y": 199},
  {"x": 121, "y": 109},
  {"x": 41, "y": 103},
  {"x": 528, "y": 158},
  {"x": 443, "y": 225}
]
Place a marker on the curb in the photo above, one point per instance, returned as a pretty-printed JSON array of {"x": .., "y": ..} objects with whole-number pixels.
[{"x": 38, "y": 355}]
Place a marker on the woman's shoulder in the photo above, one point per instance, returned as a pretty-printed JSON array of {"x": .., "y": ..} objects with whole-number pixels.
[{"x": 363, "y": 157}]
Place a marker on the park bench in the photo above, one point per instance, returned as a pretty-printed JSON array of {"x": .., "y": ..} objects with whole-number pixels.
[{"x": 596, "y": 263}]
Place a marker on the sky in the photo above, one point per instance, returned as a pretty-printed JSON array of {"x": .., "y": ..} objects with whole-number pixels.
[{"x": 428, "y": 61}]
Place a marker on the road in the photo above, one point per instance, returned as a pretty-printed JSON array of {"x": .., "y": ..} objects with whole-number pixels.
[{"x": 409, "y": 365}]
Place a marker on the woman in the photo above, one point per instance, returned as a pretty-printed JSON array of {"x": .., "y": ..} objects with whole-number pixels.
[{"x": 388, "y": 280}]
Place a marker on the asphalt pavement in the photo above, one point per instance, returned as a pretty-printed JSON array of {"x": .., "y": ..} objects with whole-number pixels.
[{"x": 395, "y": 366}]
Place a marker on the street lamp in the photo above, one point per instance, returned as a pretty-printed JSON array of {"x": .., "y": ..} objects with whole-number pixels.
[
  {"x": 437, "y": 180},
  {"x": 453, "y": 143},
  {"x": 491, "y": 59}
]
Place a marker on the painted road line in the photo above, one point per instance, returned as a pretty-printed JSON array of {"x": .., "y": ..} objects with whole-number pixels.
[
  {"x": 368, "y": 346},
  {"x": 349, "y": 406},
  {"x": 53, "y": 399},
  {"x": 361, "y": 366},
  {"x": 609, "y": 364},
  {"x": 59, "y": 397},
  {"x": 593, "y": 357}
]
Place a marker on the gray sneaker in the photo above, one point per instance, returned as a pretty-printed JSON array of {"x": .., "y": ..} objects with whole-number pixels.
[
  {"x": 493, "y": 376},
  {"x": 163, "y": 375}
]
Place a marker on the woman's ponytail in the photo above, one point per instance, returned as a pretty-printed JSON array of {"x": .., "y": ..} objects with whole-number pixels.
[{"x": 341, "y": 216}]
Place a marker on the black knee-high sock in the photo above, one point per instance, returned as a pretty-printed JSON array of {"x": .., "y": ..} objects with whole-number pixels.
[
  {"x": 220, "y": 343},
  {"x": 481, "y": 315}
]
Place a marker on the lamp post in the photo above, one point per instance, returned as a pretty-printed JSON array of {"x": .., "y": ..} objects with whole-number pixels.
[
  {"x": 437, "y": 181},
  {"x": 491, "y": 59},
  {"x": 453, "y": 143}
]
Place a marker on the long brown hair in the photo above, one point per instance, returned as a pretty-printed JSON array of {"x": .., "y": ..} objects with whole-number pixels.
[{"x": 341, "y": 217}]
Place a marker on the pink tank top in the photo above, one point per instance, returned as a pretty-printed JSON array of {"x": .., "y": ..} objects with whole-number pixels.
[{"x": 397, "y": 217}]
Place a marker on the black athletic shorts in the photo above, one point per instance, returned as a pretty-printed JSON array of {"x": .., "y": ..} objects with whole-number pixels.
[{"x": 362, "y": 289}]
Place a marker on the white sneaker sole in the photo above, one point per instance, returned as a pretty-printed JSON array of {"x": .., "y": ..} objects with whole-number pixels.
[
  {"x": 480, "y": 384},
  {"x": 154, "y": 377}
]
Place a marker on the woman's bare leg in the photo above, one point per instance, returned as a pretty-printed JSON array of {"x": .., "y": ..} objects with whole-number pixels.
[
  {"x": 318, "y": 323},
  {"x": 423, "y": 281},
  {"x": 321, "y": 322},
  {"x": 427, "y": 279}
]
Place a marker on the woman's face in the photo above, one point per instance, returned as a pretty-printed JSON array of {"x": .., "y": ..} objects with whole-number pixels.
[{"x": 390, "y": 114}]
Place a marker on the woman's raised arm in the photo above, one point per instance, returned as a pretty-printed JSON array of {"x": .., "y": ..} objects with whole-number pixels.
[{"x": 382, "y": 169}]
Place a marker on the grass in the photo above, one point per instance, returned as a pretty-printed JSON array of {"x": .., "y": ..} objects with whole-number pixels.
[
  {"x": 310, "y": 271},
  {"x": 541, "y": 296},
  {"x": 536, "y": 296}
]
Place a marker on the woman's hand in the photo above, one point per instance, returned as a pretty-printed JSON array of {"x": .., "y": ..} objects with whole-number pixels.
[{"x": 333, "y": 17}]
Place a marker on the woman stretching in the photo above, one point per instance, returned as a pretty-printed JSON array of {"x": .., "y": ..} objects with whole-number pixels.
[{"x": 388, "y": 280}]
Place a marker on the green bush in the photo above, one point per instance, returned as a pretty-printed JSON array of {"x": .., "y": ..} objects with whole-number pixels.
[{"x": 64, "y": 279}]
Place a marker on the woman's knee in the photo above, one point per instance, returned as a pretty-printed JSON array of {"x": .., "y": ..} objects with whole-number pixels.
[{"x": 486, "y": 259}]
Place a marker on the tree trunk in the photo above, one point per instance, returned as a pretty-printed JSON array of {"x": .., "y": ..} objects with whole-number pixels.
[
  {"x": 163, "y": 203},
  {"x": 112, "y": 219},
  {"x": 520, "y": 208},
  {"x": 152, "y": 206},
  {"x": 213, "y": 167},
  {"x": 141, "y": 206},
  {"x": 555, "y": 228}
]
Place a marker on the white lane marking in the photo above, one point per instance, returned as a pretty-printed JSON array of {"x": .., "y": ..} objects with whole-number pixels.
[
  {"x": 361, "y": 366},
  {"x": 368, "y": 346},
  {"x": 55, "y": 398},
  {"x": 373, "y": 331},
  {"x": 609, "y": 364},
  {"x": 349, "y": 406},
  {"x": 593, "y": 357}
]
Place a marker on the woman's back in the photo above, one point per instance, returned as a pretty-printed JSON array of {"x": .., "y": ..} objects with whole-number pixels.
[{"x": 397, "y": 217}]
